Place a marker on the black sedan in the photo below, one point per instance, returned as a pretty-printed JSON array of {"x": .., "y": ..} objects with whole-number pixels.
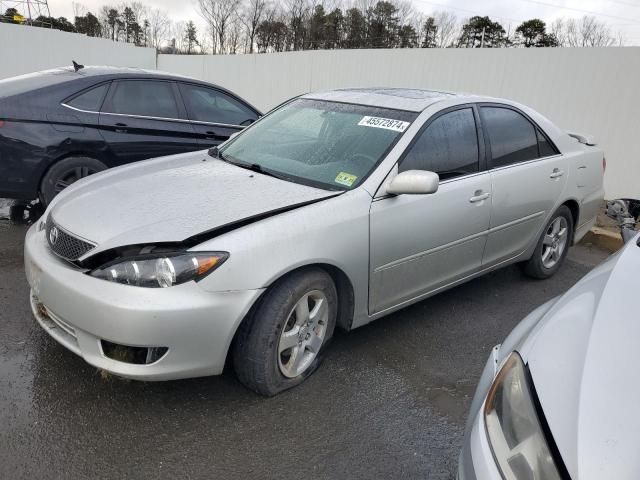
[{"x": 60, "y": 125}]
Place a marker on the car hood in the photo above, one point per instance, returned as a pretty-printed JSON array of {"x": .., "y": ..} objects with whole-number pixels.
[
  {"x": 171, "y": 199},
  {"x": 583, "y": 360}
]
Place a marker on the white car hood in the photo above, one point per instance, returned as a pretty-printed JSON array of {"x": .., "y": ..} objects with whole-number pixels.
[
  {"x": 584, "y": 360},
  {"x": 170, "y": 199}
]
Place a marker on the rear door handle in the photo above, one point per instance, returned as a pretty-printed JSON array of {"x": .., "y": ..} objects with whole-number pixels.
[
  {"x": 556, "y": 173},
  {"x": 121, "y": 127},
  {"x": 479, "y": 197}
]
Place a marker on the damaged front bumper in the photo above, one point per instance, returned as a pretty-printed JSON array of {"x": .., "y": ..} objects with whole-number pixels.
[{"x": 133, "y": 332}]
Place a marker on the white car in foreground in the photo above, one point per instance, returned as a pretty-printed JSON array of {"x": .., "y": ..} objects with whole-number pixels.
[{"x": 559, "y": 398}]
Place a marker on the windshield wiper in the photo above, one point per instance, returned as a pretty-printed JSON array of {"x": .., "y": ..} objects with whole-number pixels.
[{"x": 254, "y": 167}]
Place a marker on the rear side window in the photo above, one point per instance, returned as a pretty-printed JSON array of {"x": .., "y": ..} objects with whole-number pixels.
[
  {"x": 210, "y": 105},
  {"x": 546, "y": 149},
  {"x": 448, "y": 146},
  {"x": 148, "y": 98},
  {"x": 513, "y": 138},
  {"x": 90, "y": 100}
]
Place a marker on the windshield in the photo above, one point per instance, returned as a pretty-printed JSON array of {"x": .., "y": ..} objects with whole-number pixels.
[{"x": 324, "y": 144}]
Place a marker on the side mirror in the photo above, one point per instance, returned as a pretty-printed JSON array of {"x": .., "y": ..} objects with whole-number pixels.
[{"x": 414, "y": 182}]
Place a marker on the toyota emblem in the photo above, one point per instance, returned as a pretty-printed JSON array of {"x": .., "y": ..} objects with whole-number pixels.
[{"x": 53, "y": 235}]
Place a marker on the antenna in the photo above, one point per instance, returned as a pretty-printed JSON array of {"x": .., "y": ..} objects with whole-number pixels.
[{"x": 27, "y": 11}]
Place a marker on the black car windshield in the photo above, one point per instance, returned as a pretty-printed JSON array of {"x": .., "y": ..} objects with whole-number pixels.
[{"x": 324, "y": 144}]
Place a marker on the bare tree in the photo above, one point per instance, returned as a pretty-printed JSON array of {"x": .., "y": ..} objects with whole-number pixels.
[
  {"x": 251, "y": 17},
  {"x": 558, "y": 31},
  {"x": 219, "y": 15},
  {"x": 159, "y": 27},
  {"x": 297, "y": 12},
  {"x": 139, "y": 10},
  {"x": 447, "y": 24},
  {"x": 79, "y": 10},
  {"x": 178, "y": 32},
  {"x": 587, "y": 32},
  {"x": 235, "y": 36}
]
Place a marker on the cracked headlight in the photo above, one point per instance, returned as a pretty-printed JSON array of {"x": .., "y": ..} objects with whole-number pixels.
[
  {"x": 161, "y": 270},
  {"x": 516, "y": 436}
]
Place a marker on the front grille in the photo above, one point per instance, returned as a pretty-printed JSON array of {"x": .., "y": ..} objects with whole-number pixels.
[{"x": 66, "y": 245}]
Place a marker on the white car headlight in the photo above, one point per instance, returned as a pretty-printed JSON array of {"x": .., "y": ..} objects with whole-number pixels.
[
  {"x": 160, "y": 270},
  {"x": 518, "y": 441}
]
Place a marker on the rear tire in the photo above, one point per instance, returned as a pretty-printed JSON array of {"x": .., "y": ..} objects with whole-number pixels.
[
  {"x": 552, "y": 247},
  {"x": 280, "y": 344},
  {"x": 65, "y": 172}
]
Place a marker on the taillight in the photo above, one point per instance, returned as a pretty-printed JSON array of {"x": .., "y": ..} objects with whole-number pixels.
[
  {"x": 604, "y": 164},
  {"x": 1, "y": 123}
]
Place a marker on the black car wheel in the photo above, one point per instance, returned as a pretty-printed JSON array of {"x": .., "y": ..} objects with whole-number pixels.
[
  {"x": 66, "y": 172},
  {"x": 280, "y": 344}
]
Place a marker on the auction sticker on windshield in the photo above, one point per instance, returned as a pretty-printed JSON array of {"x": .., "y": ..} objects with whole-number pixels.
[{"x": 386, "y": 123}]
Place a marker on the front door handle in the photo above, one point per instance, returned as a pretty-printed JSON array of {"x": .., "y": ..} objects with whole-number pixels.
[
  {"x": 479, "y": 196},
  {"x": 557, "y": 173},
  {"x": 121, "y": 127}
]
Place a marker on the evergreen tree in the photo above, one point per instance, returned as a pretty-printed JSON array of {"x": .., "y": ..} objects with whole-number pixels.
[
  {"x": 408, "y": 37},
  {"x": 533, "y": 33},
  {"x": 430, "y": 32},
  {"x": 355, "y": 27},
  {"x": 383, "y": 28},
  {"x": 89, "y": 25},
  {"x": 317, "y": 30},
  {"x": 482, "y": 32},
  {"x": 191, "y": 37},
  {"x": 334, "y": 29}
]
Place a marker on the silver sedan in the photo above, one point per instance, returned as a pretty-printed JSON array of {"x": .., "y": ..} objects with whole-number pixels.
[
  {"x": 335, "y": 209},
  {"x": 558, "y": 398}
]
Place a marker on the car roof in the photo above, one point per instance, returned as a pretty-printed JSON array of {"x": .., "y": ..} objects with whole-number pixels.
[
  {"x": 99, "y": 70},
  {"x": 410, "y": 99}
]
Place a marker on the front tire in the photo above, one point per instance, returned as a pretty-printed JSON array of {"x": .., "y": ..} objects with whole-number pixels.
[
  {"x": 64, "y": 173},
  {"x": 280, "y": 344},
  {"x": 553, "y": 245}
]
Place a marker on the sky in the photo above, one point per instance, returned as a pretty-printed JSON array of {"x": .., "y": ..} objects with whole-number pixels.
[{"x": 621, "y": 15}]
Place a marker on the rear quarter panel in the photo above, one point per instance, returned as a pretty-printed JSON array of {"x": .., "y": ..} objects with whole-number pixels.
[{"x": 38, "y": 131}]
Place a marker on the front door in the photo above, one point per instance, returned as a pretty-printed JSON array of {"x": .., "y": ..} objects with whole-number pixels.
[
  {"x": 215, "y": 115},
  {"x": 421, "y": 243},
  {"x": 142, "y": 119}
]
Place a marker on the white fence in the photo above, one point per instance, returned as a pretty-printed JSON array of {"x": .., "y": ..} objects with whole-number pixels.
[
  {"x": 29, "y": 49},
  {"x": 594, "y": 90}
]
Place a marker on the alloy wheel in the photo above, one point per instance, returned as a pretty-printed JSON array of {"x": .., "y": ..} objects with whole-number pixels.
[
  {"x": 554, "y": 242},
  {"x": 72, "y": 175},
  {"x": 303, "y": 334}
]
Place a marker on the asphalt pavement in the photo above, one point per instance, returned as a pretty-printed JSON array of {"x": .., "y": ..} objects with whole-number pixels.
[{"x": 389, "y": 401}]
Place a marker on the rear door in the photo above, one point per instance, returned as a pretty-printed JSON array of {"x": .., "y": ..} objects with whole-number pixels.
[
  {"x": 528, "y": 175},
  {"x": 143, "y": 119},
  {"x": 420, "y": 243},
  {"x": 214, "y": 114}
]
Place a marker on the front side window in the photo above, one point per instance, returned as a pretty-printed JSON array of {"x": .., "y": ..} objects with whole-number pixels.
[
  {"x": 513, "y": 138},
  {"x": 209, "y": 105},
  {"x": 147, "y": 98},
  {"x": 91, "y": 100},
  {"x": 448, "y": 146},
  {"x": 324, "y": 144}
]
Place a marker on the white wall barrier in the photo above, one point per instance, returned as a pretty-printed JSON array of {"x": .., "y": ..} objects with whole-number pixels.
[
  {"x": 29, "y": 49},
  {"x": 590, "y": 90}
]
